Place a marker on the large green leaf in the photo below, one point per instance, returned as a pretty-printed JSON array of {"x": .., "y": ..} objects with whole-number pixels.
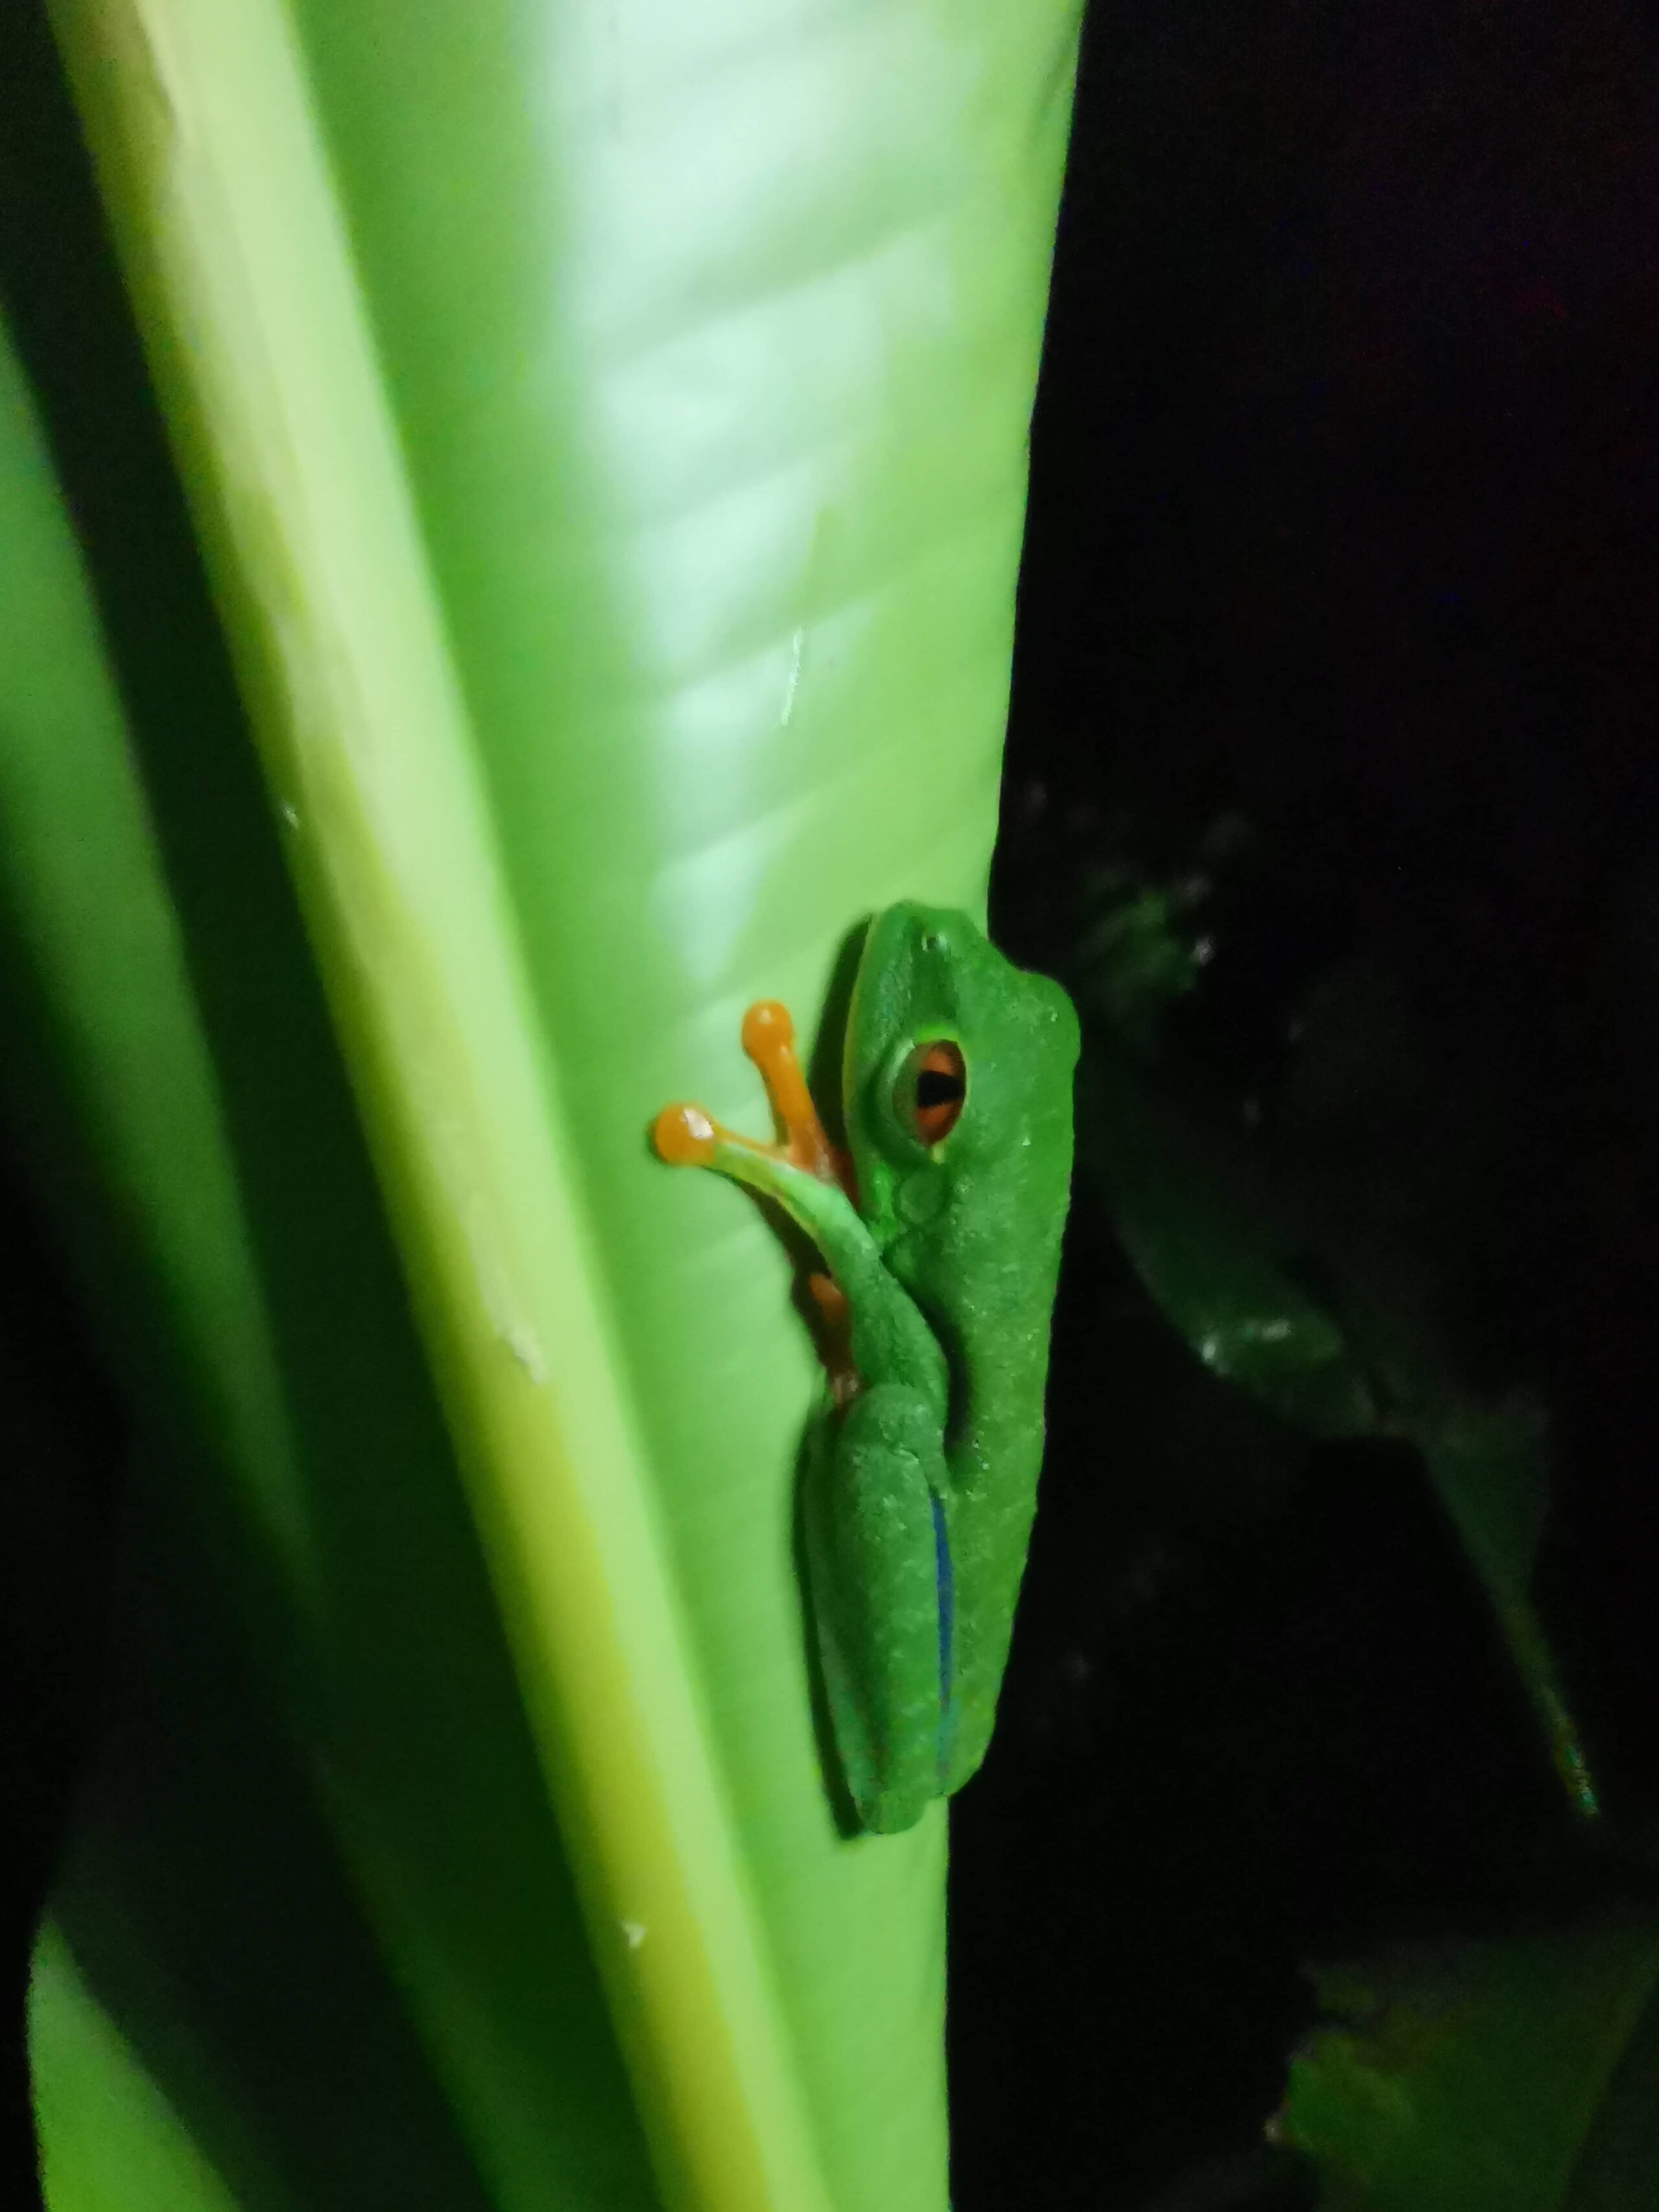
[{"x": 606, "y": 427}]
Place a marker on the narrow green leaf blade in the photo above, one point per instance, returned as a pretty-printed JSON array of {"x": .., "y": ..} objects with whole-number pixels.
[{"x": 109, "y": 2140}]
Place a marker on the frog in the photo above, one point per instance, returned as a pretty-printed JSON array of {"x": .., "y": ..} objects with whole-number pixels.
[{"x": 939, "y": 1226}]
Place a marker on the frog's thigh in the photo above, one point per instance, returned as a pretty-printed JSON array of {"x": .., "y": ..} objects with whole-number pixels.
[{"x": 873, "y": 1560}]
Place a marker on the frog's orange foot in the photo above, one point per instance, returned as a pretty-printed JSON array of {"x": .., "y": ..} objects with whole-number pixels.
[
  {"x": 767, "y": 1031},
  {"x": 768, "y": 1038},
  {"x": 685, "y": 1137}
]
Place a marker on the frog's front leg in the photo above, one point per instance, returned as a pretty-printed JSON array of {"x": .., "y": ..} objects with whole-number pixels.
[{"x": 879, "y": 1574}]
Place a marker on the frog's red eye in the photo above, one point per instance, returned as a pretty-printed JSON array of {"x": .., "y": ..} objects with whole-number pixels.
[{"x": 932, "y": 1090}]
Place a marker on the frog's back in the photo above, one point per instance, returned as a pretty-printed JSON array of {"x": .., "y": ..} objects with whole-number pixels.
[{"x": 985, "y": 1275}]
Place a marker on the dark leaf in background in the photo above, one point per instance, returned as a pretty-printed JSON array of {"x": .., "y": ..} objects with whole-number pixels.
[{"x": 1497, "y": 2078}]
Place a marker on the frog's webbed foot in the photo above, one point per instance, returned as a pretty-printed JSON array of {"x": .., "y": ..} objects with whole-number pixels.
[
  {"x": 687, "y": 1136},
  {"x": 768, "y": 1038}
]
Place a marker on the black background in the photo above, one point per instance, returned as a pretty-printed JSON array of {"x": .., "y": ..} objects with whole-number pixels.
[{"x": 1343, "y": 530}]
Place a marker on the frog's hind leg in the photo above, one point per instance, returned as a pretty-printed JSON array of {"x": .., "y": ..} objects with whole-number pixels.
[{"x": 880, "y": 1581}]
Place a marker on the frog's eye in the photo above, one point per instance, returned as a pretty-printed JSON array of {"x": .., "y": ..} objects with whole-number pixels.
[{"x": 931, "y": 1088}]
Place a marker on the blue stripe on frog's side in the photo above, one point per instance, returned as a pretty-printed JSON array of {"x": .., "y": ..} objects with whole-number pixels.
[{"x": 947, "y": 1622}]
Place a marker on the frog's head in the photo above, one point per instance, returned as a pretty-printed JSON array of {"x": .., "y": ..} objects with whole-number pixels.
[{"x": 958, "y": 1069}]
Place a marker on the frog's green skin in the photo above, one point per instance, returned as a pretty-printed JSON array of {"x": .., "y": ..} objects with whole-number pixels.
[{"x": 920, "y": 1495}]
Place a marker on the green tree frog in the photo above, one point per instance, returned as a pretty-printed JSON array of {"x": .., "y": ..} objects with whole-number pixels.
[{"x": 941, "y": 1236}]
